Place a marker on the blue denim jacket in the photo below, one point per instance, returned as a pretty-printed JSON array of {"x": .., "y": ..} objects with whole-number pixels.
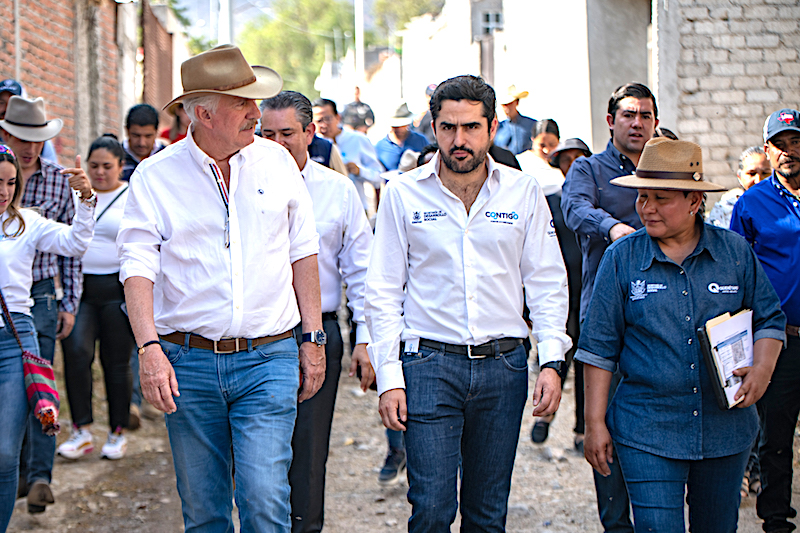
[
  {"x": 591, "y": 206},
  {"x": 643, "y": 315}
]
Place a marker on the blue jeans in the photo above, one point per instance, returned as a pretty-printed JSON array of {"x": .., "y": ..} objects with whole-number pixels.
[
  {"x": 38, "y": 449},
  {"x": 14, "y": 411},
  {"x": 657, "y": 485},
  {"x": 243, "y": 406},
  {"x": 467, "y": 410},
  {"x": 136, "y": 387}
]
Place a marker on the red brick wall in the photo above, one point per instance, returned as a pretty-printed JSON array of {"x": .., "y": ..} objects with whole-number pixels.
[
  {"x": 157, "y": 63},
  {"x": 47, "y": 33}
]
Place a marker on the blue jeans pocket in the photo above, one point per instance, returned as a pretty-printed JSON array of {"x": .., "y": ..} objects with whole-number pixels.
[
  {"x": 174, "y": 352},
  {"x": 516, "y": 360},
  {"x": 412, "y": 359}
]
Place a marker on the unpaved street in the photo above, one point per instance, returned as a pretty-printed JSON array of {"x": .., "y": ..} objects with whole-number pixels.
[{"x": 552, "y": 486}]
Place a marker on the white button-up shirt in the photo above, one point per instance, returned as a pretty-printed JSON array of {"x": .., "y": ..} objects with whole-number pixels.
[
  {"x": 173, "y": 232},
  {"x": 345, "y": 239},
  {"x": 463, "y": 273},
  {"x": 17, "y": 253}
]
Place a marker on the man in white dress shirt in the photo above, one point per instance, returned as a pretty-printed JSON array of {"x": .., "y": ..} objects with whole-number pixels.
[
  {"x": 218, "y": 256},
  {"x": 345, "y": 239},
  {"x": 456, "y": 241}
]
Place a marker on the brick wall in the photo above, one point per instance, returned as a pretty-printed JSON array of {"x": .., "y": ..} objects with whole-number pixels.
[
  {"x": 48, "y": 67},
  {"x": 157, "y": 63},
  {"x": 738, "y": 63}
]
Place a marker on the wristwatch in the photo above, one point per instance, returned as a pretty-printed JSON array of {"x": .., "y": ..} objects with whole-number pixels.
[
  {"x": 559, "y": 366},
  {"x": 318, "y": 337}
]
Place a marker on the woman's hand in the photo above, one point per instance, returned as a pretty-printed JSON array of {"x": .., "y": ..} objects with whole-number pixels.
[
  {"x": 756, "y": 378},
  {"x": 78, "y": 179},
  {"x": 597, "y": 447}
]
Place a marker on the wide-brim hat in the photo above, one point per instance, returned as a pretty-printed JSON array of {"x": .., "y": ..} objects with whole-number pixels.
[
  {"x": 671, "y": 165},
  {"x": 224, "y": 70},
  {"x": 27, "y": 120},
  {"x": 401, "y": 117},
  {"x": 511, "y": 94},
  {"x": 569, "y": 144}
]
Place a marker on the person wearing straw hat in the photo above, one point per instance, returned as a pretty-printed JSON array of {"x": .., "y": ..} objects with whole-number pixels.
[
  {"x": 515, "y": 132},
  {"x": 25, "y": 130},
  {"x": 218, "y": 252},
  {"x": 400, "y": 138},
  {"x": 653, "y": 290},
  {"x": 768, "y": 216}
]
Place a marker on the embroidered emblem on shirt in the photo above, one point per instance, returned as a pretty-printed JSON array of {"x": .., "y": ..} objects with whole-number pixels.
[
  {"x": 655, "y": 287},
  {"x": 716, "y": 288},
  {"x": 638, "y": 290},
  {"x": 502, "y": 218},
  {"x": 433, "y": 215},
  {"x": 417, "y": 218}
]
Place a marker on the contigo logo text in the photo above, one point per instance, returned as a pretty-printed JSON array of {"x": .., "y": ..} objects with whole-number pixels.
[{"x": 501, "y": 216}]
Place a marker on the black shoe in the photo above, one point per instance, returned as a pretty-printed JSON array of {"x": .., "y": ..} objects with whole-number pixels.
[
  {"x": 39, "y": 497},
  {"x": 540, "y": 431},
  {"x": 393, "y": 467}
]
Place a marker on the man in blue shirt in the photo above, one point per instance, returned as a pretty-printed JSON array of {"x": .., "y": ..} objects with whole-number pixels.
[
  {"x": 768, "y": 216},
  {"x": 515, "y": 132},
  {"x": 391, "y": 148},
  {"x": 599, "y": 214}
]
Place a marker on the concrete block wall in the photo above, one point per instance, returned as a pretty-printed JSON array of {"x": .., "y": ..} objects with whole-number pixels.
[
  {"x": 49, "y": 66},
  {"x": 738, "y": 63}
]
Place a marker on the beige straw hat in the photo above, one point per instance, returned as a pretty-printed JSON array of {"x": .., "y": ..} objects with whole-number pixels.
[{"x": 668, "y": 164}]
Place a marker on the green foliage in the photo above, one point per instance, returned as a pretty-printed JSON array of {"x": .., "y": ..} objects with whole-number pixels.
[
  {"x": 392, "y": 15},
  {"x": 294, "y": 39},
  {"x": 179, "y": 12},
  {"x": 199, "y": 44}
]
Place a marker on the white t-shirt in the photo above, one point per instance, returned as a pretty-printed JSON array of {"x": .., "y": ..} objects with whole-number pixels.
[{"x": 101, "y": 257}]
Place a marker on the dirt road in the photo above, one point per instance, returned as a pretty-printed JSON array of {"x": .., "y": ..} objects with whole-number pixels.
[{"x": 552, "y": 488}]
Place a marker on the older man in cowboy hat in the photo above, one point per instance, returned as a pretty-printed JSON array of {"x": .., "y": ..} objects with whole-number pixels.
[
  {"x": 25, "y": 129},
  {"x": 515, "y": 132},
  {"x": 218, "y": 253},
  {"x": 400, "y": 138}
]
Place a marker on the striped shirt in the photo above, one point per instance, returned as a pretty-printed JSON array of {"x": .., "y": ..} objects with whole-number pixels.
[{"x": 50, "y": 192}]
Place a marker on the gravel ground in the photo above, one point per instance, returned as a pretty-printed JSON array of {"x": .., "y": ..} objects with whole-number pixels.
[{"x": 552, "y": 489}]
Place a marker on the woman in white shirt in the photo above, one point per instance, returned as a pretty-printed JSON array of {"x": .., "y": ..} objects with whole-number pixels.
[
  {"x": 100, "y": 316},
  {"x": 22, "y": 233}
]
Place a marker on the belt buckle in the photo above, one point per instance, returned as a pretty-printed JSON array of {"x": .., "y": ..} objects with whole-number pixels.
[
  {"x": 470, "y": 354},
  {"x": 226, "y": 352}
]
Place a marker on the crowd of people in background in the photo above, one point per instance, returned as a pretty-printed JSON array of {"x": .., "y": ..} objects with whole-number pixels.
[{"x": 204, "y": 266}]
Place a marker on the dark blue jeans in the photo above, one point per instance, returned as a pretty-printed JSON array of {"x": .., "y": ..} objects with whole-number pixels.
[
  {"x": 467, "y": 410},
  {"x": 657, "y": 486},
  {"x": 38, "y": 449}
]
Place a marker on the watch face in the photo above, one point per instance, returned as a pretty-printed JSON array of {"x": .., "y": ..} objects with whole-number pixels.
[{"x": 320, "y": 337}]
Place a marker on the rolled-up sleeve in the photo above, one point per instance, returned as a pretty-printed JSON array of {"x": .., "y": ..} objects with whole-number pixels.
[
  {"x": 545, "y": 280},
  {"x": 384, "y": 297},
  {"x": 579, "y": 201},
  {"x": 139, "y": 239},
  {"x": 603, "y": 330}
]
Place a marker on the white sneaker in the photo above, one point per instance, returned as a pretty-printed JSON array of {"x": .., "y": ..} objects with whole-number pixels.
[
  {"x": 115, "y": 446},
  {"x": 78, "y": 445}
]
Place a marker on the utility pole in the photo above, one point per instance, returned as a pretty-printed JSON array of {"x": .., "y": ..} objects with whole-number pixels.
[{"x": 359, "y": 23}]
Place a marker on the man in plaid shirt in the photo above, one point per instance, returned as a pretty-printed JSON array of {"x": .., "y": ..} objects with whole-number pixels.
[{"x": 46, "y": 188}]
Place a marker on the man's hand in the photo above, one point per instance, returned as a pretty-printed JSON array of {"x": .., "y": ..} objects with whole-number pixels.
[
  {"x": 312, "y": 364},
  {"x": 359, "y": 358},
  {"x": 392, "y": 407},
  {"x": 78, "y": 179},
  {"x": 66, "y": 321},
  {"x": 619, "y": 230},
  {"x": 352, "y": 168},
  {"x": 597, "y": 447},
  {"x": 158, "y": 380},
  {"x": 546, "y": 393}
]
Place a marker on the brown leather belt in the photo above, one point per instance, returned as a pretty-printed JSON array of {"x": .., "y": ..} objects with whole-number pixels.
[
  {"x": 793, "y": 330},
  {"x": 223, "y": 346}
]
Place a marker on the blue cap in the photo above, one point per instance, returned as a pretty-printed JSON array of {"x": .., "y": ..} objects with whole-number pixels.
[
  {"x": 11, "y": 86},
  {"x": 779, "y": 121}
]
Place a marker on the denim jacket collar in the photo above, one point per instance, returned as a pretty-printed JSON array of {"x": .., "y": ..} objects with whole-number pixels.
[{"x": 654, "y": 252}]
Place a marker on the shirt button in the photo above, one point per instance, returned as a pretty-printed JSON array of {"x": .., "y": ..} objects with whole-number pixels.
[
  {"x": 694, "y": 413},
  {"x": 688, "y": 318},
  {"x": 237, "y": 307},
  {"x": 685, "y": 293},
  {"x": 472, "y": 328},
  {"x": 466, "y": 232},
  {"x": 691, "y": 366},
  {"x": 471, "y": 297},
  {"x": 621, "y": 167},
  {"x": 690, "y": 341},
  {"x": 694, "y": 390},
  {"x": 681, "y": 272}
]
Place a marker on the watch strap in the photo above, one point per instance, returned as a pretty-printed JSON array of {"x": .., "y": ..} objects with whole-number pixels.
[{"x": 145, "y": 345}]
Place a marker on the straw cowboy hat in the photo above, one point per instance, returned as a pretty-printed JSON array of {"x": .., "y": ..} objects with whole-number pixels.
[
  {"x": 668, "y": 164},
  {"x": 512, "y": 94},
  {"x": 224, "y": 70},
  {"x": 402, "y": 116},
  {"x": 26, "y": 120}
]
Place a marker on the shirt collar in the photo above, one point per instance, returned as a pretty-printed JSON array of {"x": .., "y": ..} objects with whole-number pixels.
[
  {"x": 615, "y": 154},
  {"x": 431, "y": 169},
  {"x": 653, "y": 251},
  {"x": 202, "y": 158},
  {"x": 781, "y": 188}
]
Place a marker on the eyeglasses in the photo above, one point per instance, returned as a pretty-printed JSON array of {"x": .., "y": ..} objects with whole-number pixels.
[{"x": 6, "y": 150}]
